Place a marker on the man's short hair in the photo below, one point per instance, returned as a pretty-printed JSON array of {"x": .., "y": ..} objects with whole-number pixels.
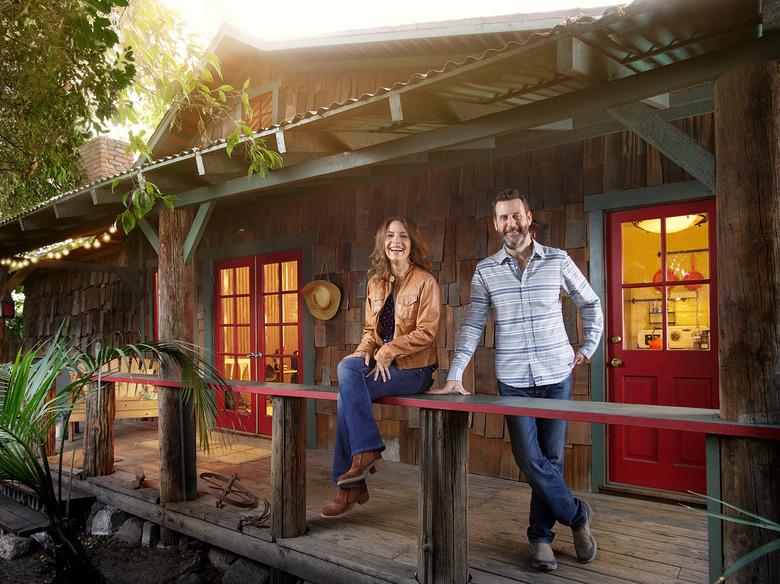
[{"x": 510, "y": 195}]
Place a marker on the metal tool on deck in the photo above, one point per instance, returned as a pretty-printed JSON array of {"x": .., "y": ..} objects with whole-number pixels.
[{"x": 227, "y": 490}]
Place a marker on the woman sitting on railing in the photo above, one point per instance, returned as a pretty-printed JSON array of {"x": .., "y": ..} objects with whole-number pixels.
[{"x": 397, "y": 355}]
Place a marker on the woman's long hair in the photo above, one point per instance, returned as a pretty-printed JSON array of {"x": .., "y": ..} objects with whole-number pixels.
[{"x": 418, "y": 256}]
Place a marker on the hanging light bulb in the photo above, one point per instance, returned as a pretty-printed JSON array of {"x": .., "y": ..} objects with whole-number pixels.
[
  {"x": 96, "y": 243},
  {"x": 106, "y": 237},
  {"x": 50, "y": 255},
  {"x": 65, "y": 251},
  {"x": 87, "y": 245},
  {"x": 34, "y": 260},
  {"x": 112, "y": 229},
  {"x": 58, "y": 256}
]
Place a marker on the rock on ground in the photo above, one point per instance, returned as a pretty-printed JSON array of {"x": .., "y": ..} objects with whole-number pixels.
[
  {"x": 242, "y": 571},
  {"x": 130, "y": 532},
  {"x": 150, "y": 534},
  {"x": 13, "y": 546},
  {"x": 221, "y": 559},
  {"x": 97, "y": 507},
  {"x": 43, "y": 539},
  {"x": 107, "y": 521}
]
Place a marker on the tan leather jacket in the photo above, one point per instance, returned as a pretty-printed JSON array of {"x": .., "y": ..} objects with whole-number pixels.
[{"x": 417, "y": 308}]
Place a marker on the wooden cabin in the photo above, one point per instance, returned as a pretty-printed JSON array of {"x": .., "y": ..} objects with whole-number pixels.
[{"x": 608, "y": 121}]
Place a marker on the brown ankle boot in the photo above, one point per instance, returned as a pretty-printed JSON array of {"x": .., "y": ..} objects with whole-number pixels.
[
  {"x": 363, "y": 464},
  {"x": 344, "y": 501}
]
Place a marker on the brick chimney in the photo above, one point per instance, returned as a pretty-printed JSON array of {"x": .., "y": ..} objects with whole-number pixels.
[{"x": 103, "y": 157}]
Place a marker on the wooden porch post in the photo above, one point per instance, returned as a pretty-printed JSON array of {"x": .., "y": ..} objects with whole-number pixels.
[
  {"x": 288, "y": 474},
  {"x": 100, "y": 408},
  {"x": 288, "y": 468},
  {"x": 178, "y": 480},
  {"x": 747, "y": 124},
  {"x": 442, "y": 519}
]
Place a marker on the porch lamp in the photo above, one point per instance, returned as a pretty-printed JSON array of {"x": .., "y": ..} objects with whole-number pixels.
[
  {"x": 673, "y": 224},
  {"x": 9, "y": 309}
]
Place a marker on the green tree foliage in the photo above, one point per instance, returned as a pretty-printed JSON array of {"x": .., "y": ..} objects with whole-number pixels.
[
  {"x": 69, "y": 67},
  {"x": 175, "y": 77},
  {"x": 61, "y": 71}
]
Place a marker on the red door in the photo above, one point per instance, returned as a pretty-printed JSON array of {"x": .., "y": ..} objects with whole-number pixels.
[
  {"x": 257, "y": 332},
  {"x": 662, "y": 334}
]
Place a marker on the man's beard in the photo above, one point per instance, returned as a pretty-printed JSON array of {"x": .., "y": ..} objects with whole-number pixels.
[{"x": 511, "y": 244}]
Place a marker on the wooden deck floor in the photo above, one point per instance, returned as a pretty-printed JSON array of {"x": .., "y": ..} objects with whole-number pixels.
[{"x": 639, "y": 541}]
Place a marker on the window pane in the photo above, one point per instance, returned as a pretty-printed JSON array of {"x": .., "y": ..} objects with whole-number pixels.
[
  {"x": 272, "y": 308},
  {"x": 272, "y": 341},
  {"x": 242, "y": 335},
  {"x": 641, "y": 251},
  {"x": 228, "y": 341},
  {"x": 642, "y": 319},
  {"x": 244, "y": 403},
  {"x": 271, "y": 371},
  {"x": 290, "y": 307},
  {"x": 271, "y": 278},
  {"x": 229, "y": 367},
  {"x": 691, "y": 331},
  {"x": 290, "y": 339},
  {"x": 269, "y": 406},
  {"x": 687, "y": 247},
  {"x": 290, "y": 275},
  {"x": 242, "y": 280},
  {"x": 242, "y": 306},
  {"x": 228, "y": 308},
  {"x": 226, "y": 282},
  {"x": 290, "y": 369}
]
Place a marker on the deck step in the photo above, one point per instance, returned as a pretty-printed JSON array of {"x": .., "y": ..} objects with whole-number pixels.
[
  {"x": 19, "y": 519},
  {"x": 80, "y": 500}
]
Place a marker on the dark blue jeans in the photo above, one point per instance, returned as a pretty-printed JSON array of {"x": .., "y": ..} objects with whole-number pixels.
[
  {"x": 356, "y": 429},
  {"x": 538, "y": 448}
]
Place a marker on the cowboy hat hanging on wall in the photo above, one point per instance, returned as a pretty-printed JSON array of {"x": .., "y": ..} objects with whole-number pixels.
[{"x": 322, "y": 297}]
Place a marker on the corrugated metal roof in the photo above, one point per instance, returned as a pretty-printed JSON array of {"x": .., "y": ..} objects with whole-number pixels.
[{"x": 644, "y": 35}]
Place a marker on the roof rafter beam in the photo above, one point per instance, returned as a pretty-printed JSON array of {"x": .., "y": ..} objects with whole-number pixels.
[
  {"x": 675, "y": 144},
  {"x": 69, "y": 209},
  {"x": 579, "y": 60},
  {"x": 396, "y": 111},
  {"x": 588, "y": 101}
]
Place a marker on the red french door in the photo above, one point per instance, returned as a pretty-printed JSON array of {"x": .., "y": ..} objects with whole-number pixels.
[
  {"x": 662, "y": 335},
  {"x": 257, "y": 333}
]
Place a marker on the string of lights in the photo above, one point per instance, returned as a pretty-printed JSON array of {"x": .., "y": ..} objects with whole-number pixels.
[{"x": 58, "y": 250}]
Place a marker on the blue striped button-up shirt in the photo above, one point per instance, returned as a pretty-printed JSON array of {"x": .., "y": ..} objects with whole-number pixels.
[{"x": 532, "y": 347}]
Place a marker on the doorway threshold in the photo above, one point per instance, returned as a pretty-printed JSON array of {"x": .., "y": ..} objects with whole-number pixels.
[{"x": 651, "y": 494}]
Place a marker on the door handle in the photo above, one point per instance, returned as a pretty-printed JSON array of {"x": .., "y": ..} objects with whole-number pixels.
[
  {"x": 616, "y": 339},
  {"x": 616, "y": 362}
]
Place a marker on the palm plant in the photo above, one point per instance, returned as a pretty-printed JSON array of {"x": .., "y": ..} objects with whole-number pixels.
[
  {"x": 29, "y": 410},
  {"x": 742, "y": 517}
]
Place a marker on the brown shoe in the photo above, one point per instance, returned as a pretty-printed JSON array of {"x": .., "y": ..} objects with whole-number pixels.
[
  {"x": 363, "y": 464},
  {"x": 584, "y": 542},
  {"x": 344, "y": 501}
]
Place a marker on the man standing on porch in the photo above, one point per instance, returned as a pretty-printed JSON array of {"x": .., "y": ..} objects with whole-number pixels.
[{"x": 522, "y": 282}]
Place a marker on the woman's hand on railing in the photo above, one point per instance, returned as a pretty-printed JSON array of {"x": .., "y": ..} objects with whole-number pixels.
[{"x": 449, "y": 387}]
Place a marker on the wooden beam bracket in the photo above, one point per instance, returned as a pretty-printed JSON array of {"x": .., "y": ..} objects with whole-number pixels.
[
  {"x": 198, "y": 228},
  {"x": 150, "y": 234},
  {"x": 675, "y": 144}
]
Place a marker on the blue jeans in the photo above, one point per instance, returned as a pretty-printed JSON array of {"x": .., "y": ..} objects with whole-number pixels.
[
  {"x": 356, "y": 429},
  {"x": 538, "y": 448}
]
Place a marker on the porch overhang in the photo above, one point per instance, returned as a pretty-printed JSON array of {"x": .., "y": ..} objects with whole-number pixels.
[{"x": 554, "y": 88}]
